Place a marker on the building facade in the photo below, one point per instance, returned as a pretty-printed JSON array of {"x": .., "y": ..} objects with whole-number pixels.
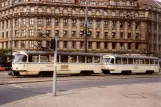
[{"x": 114, "y": 26}]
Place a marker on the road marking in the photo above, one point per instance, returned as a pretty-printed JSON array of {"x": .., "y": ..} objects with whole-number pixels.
[{"x": 18, "y": 86}]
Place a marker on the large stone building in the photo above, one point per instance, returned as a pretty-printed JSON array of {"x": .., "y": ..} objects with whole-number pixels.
[{"x": 115, "y": 26}]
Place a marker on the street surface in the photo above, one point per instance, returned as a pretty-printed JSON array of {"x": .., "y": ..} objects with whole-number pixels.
[{"x": 14, "y": 92}]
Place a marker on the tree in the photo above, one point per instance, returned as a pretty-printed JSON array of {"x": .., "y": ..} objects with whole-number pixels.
[{"x": 5, "y": 57}]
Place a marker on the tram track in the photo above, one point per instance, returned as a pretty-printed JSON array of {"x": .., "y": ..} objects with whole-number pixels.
[{"x": 6, "y": 79}]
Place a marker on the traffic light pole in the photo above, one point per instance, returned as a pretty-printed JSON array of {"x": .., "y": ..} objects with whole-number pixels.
[{"x": 55, "y": 68}]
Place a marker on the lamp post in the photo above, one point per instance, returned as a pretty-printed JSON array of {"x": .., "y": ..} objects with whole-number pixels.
[{"x": 85, "y": 26}]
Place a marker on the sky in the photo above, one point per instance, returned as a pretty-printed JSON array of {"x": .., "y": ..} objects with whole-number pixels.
[{"x": 158, "y": 0}]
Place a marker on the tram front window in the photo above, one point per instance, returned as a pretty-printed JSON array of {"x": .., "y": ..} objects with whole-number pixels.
[
  {"x": 106, "y": 60},
  {"x": 19, "y": 58}
]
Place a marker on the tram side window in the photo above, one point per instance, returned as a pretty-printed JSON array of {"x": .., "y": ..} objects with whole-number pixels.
[
  {"x": 152, "y": 61},
  {"x": 118, "y": 60},
  {"x": 156, "y": 61},
  {"x": 136, "y": 61},
  {"x": 33, "y": 58},
  {"x": 44, "y": 58},
  {"x": 81, "y": 59},
  {"x": 146, "y": 61},
  {"x": 130, "y": 61},
  {"x": 124, "y": 60},
  {"x": 72, "y": 59},
  {"x": 64, "y": 59},
  {"x": 96, "y": 59},
  {"x": 141, "y": 61},
  {"x": 89, "y": 59}
]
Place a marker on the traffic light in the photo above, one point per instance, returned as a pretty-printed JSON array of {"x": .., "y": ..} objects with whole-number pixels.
[{"x": 53, "y": 44}]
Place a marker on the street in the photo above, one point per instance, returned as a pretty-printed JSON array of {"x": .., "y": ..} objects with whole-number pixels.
[{"x": 14, "y": 92}]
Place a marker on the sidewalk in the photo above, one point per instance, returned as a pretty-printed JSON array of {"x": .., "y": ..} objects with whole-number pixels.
[{"x": 133, "y": 95}]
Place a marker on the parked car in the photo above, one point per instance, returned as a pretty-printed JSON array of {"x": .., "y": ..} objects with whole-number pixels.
[{"x": 2, "y": 68}]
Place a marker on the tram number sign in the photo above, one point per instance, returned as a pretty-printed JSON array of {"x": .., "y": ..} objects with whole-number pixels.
[{"x": 64, "y": 66}]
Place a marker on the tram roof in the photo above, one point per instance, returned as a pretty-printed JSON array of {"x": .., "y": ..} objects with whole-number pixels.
[
  {"x": 60, "y": 53},
  {"x": 132, "y": 56}
]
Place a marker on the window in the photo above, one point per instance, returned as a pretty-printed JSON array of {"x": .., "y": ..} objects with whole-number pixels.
[
  {"x": 121, "y": 35},
  {"x": 116, "y": 3},
  {"x": 105, "y": 45},
  {"x": 73, "y": 44},
  {"x": 121, "y": 46},
  {"x": 65, "y": 44},
  {"x": 105, "y": 24},
  {"x": 97, "y": 45},
  {"x": 56, "y": 22},
  {"x": 81, "y": 45},
  {"x": 65, "y": 33},
  {"x": 89, "y": 45},
  {"x": 131, "y": 3},
  {"x": 113, "y": 35},
  {"x": 113, "y": 45},
  {"x": 113, "y": 13},
  {"x": 105, "y": 35},
  {"x": 31, "y": 21},
  {"x": 23, "y": 22},
  {"x": 89, "y": 12},
  {"x": 32, "y": 9},
  {"x": 48, "y": 10},
  {"x": 118, "y": 60},
  {"x": 129, "y": 25},
  {"x": 22, "y": 44},
  {"x": 40, "y": 9},
  {"x": 97, "y": 23},
  {"x": 81, "y": 33},
  {"x": 128, "y": 14},
  {"x": 120, "y": 13},
  {"x": 39, "y": 22},
  {"x": 81, "y": 12},
  {"x": 16, "y": 22},
  {"x": 31, "y": 44},
  {"x": 121, "y": 25},
  {"x": 105, "y": 13},
  {"x": 97, "y": 34},
  {"x": 16, "y": 32},
  {"x": 129, "y": 45},
  {"x": 72, "y": 59},
  {"x": 65, "y": 11},
  {"x": 56, "y": 10},
  {"x": 48, "y": 32},
  {"x": 113, "y": 24},
  {"x": 16, "y": 44},
  {"x": 81, "y": 22},
  {"x": 73, "y": 12},
  {"x": 90, "y": 23},
  {"x": 101, "y": 3},
  {"x": 56, "y": 32},
  {"x": 48, "y": 22},
  {"x": 23, "y": 33},
  {"x": 73, "y": 23},
  {"x": 65, "y": 22},
  {"x": 31, "y": 32},
  {"x": 92, "y": 2},
  {"x": 73, "y": 33},
  {"x": 89, "y": 33},
  {"x": 129, "y": 35},
  {"x": 123, "y": 3}
]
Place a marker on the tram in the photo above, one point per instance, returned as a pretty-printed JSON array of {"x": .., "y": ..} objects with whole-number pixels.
[{"x": 41, "y": 63}]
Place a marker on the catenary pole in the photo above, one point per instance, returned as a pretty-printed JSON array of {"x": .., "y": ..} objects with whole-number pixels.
[
  {"x": 85, "y": 27},
  {"x": 55, "y": 68}
]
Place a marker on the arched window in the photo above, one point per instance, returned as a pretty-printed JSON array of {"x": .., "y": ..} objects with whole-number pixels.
[
  {"x": 81, "y": 12},
  {"x": 56, "y": 10},
  {"x": 97, "y": 13},
  {"x": 73, "y": 12},
  {"x": 24, "y": 9},
  {"x": 89, "y": 12},
  {"x": 65, "y": 11},
  {"x": 48, "y": 10},
  {"x": 120, "y": 13},
  {"x": 39, "y": 9},
  {"x": 105, "y": 13},
  {"x": 32, "y": 9},
  {"x": 113, "y": 13}
]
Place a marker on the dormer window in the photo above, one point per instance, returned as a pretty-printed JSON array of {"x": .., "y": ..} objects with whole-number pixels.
[
  {"x": 131, "y": 3},
  {"x": 101, "y": 3}
]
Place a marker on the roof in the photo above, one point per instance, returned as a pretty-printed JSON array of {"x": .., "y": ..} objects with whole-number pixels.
[{"x": 150, "y": 2}]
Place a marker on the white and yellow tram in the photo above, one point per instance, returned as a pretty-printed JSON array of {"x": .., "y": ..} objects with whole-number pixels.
[
  {"x": 41, "y": 62},
  {"x": 130, "y": 64}
]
